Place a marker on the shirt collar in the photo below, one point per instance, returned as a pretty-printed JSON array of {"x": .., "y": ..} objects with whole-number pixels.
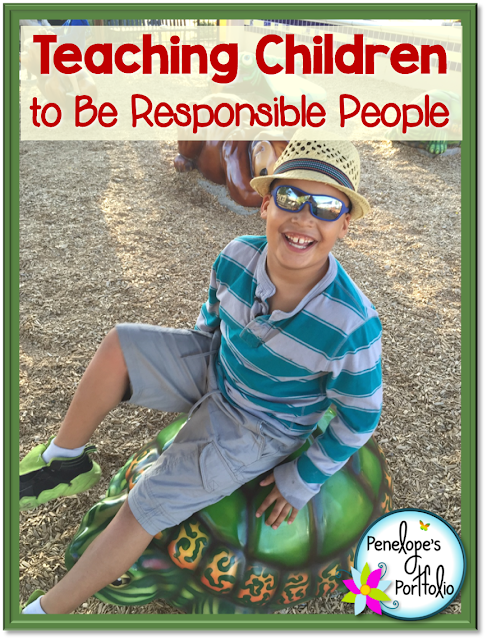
[{"x": 266, "y": 289}]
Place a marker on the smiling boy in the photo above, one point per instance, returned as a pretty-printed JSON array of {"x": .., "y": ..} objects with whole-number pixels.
[
  {"x": 299, "y": 246},
  {"x": 284, "y": 334}
]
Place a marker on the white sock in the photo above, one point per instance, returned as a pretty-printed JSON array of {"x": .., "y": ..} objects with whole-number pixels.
[
  {"x": 53, "y": 451},
  {"x": 34, "y": 607}
]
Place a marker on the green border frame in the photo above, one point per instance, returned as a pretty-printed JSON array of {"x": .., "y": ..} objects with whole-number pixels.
[{"x": 467, "y": 13}]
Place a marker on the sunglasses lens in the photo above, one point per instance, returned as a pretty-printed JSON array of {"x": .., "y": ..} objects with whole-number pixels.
[
  {"x": 288, "y": 199},
  {"x": 323, "y": 207},
  {"x": 326, "y": 208}
]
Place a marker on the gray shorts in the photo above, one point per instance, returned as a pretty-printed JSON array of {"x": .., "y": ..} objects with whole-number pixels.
[{"x": 219, "y": 448}]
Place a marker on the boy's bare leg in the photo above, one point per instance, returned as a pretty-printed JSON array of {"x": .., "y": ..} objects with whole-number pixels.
[
  {"x": 106, "y": 559},
  {"x": 101, "y": 389}
]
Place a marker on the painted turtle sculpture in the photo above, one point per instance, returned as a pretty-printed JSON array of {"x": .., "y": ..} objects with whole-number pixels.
[
  {"x": 225, "y": 560},
  {"x": 444, "y": 138}
]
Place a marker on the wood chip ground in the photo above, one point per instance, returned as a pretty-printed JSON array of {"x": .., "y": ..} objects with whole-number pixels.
[{"x": 110, "y": 233}]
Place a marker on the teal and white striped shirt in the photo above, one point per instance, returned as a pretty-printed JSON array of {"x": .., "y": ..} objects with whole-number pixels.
[{"x": 289, "y": 367}]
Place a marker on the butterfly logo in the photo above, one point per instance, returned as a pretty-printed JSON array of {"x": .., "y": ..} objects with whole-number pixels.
[{"x": 424, "y": 527}]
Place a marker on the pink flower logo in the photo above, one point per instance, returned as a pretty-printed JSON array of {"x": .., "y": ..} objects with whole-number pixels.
[{"x": 366, "y": 589}]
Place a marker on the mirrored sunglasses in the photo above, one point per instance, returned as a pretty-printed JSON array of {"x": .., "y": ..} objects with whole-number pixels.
[{"x": 322, "y": 207}]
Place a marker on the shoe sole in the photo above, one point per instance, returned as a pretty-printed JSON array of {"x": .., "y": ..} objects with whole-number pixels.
[{"x": 79, "y": 484}]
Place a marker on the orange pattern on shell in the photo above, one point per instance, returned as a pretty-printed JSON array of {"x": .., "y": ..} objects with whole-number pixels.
[
  {"x": 217, "y": 579},
  {"x": 191, "y": 557}
]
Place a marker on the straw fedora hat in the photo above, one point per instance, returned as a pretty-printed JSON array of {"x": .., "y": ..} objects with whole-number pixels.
[{"x": 333, "y": 162}]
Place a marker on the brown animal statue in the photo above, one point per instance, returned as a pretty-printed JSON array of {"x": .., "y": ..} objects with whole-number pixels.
[{"x": 231, "y": 162}]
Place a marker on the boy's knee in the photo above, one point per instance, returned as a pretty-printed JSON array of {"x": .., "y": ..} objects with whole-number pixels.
[
  {"x": 112, "y": 341},
  {"x": 111, "y": 348},
  {"x": 112, "y": 336}
]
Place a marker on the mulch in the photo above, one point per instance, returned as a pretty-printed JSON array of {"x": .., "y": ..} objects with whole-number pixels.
[{"x": 110, "y": 233}]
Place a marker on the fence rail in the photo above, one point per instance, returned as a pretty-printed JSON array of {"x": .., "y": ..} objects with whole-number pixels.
[{"x": 158, "y": 23}]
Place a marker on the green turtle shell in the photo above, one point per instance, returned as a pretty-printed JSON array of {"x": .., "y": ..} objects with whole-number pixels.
[{"x": 225, "y": 560}]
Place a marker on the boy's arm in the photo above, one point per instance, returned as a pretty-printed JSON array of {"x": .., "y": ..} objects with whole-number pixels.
[
  {"x": 209, "y": 318},
  {"x": 354, "y": 386}
]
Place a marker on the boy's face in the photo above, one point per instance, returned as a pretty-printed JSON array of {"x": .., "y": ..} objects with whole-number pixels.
[{"x": 286, "y": 229}]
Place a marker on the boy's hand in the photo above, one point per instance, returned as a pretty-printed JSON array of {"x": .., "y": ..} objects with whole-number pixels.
[{"x": 281, "y": 508}]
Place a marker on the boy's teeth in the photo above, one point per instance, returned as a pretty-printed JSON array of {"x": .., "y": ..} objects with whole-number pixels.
[{"x": 299, "y": 241}]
